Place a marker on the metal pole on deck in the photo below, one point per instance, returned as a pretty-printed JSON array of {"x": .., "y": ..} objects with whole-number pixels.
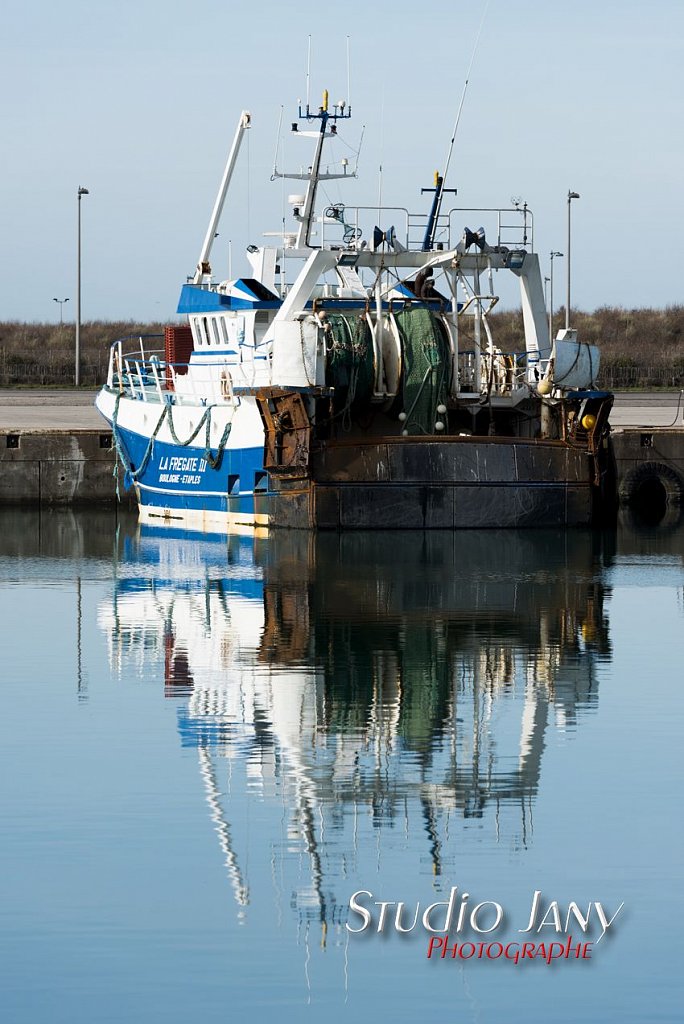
[
  {"x": 203, "y": 267},
  {"x": 553, "y": 256}
]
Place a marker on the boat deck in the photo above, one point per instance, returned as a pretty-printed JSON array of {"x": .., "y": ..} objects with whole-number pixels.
[{"x": 30, "y": 409}]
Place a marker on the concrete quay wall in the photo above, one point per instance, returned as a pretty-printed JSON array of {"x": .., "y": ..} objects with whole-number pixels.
[
  {"x": 58, "y": 467},
  {"x": 649, "y": 465}
]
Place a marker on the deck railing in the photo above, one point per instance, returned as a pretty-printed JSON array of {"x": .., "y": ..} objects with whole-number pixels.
[
  {"x": 147, "y": 376},
  {"x": 504, "y": 226}
]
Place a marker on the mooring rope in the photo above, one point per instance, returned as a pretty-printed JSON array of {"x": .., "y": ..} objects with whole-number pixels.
[{"x": 132, "y": 474}]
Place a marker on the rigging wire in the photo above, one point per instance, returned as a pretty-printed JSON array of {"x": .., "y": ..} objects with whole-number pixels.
[
  {"x": 382, "y": 145},
  {"x": 460, "y": 106}
]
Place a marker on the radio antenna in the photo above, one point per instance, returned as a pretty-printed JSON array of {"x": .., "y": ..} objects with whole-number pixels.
[
  {"x": 348, "y": 76},
  {"x": 460, "y": 106},
  {"x": 308, "y": 72},
  {"x": 277, "y": 146}
]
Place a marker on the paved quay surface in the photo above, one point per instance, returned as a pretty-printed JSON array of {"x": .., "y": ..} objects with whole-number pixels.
[
  {"x": 70, "y": 409},
  {"x": 648, "y": 409},
  {"x": 49, "y": 409}
]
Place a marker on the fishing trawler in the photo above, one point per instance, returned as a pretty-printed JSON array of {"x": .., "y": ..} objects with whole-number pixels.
[{"x": 353, "y": 378}]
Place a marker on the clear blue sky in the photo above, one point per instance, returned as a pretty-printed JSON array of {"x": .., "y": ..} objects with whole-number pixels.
[{"x": 138, "y": 100}]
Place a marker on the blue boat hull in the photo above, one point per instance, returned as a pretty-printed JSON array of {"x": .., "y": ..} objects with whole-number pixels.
[{"x": 180, "y": 483}]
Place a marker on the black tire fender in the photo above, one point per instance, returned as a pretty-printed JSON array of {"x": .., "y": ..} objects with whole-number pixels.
[{"x": 647, "y": 473}]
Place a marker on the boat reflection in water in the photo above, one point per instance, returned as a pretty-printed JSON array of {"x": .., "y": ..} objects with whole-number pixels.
[{"x": 356, "y": 695}]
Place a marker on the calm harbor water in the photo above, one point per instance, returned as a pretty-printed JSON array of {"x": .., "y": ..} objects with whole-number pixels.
[{"x": 209, "y": 745}]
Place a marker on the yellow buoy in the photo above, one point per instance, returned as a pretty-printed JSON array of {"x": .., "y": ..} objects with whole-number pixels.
[
  {"x": 544, "y": 387},
  {"x": 588, "y": 421}
]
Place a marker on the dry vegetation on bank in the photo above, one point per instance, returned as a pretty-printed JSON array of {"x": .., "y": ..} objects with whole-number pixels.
[
  {"x": 639, "y": 347},
  {"x": 32, "y": 354}
]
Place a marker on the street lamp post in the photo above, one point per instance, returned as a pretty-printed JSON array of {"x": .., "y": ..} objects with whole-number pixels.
[
  {"x": 61, "y": 308},
  {"x": 77, "y": 355},
  {"x": 571, "y": 196},
  {"x": 553, "y": 256}
]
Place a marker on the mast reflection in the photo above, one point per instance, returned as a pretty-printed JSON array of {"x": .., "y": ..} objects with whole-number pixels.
[{"x": 355, "y": 686}]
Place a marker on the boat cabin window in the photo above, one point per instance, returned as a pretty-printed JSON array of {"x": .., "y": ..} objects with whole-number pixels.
[
  {"x": 202, "y": 331},
  {"x": 210, "y": 331}
]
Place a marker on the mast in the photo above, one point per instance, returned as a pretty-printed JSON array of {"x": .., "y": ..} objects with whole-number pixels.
[
  {"x": 304, "y": 232},
  {"x": 305, "y": 215}
]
